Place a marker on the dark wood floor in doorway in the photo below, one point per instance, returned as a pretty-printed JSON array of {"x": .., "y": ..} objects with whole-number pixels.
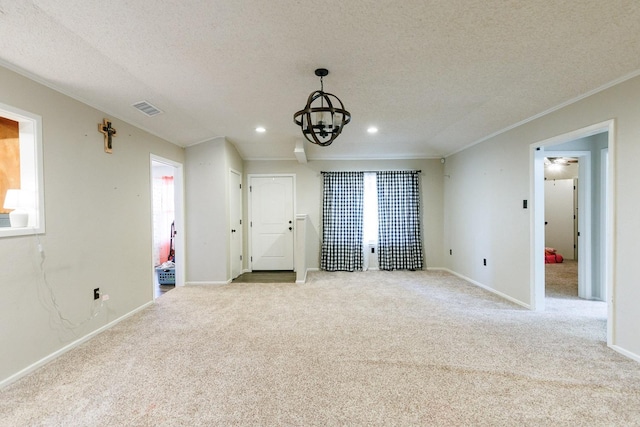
[{"x": 266, "y": 277}]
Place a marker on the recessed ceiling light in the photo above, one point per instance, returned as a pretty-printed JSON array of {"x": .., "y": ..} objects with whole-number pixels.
[
  {"x": 260, "y": 129},
  {"x": 372, "y": 129}
]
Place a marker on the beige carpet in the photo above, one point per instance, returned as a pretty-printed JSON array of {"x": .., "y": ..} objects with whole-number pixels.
[{"x": 373, "y": 348}]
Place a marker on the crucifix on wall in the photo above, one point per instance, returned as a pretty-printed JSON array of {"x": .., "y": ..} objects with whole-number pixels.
[{"x": 109, "y": 132}]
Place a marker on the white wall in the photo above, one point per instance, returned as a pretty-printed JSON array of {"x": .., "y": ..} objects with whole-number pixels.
[
  {"x": 309, "y": 196},
  {"x": 98, "y": 229},
  {"x": 483, "y": 204},
  {"x": 207, "y": 211}
]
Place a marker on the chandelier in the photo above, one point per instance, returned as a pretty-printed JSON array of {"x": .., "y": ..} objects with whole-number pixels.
[{"x": 324, "y": 115}]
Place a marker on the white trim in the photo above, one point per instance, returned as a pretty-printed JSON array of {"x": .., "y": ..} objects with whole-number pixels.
[
  {"x": 31, "y": 168},
  {"x": 205, "y": 283},
  {"x": 178, "y": 188},
  {"x": 626, "y": 353},
  {"x": 610, "y": 231},
  {"x": 486, "y": 288},
  {"x": 379, "y": 157},
  {"x": 306, "y": 274},
  {"x": 604, "y": 211},
  {"x": 551, "y": 110},
  {"x": 202, "y": 141},
  {"x": 537, "y": 227},
  {"x": 92, "y": 104},
  {"x": 241, "y": 226},
  {"x": 31, "y": 368}
]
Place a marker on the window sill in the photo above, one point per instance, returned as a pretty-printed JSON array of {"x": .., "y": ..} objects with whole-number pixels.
[{"x": 22, "y": 231}]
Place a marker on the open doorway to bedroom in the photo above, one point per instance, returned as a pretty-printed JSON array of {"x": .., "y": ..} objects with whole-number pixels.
[
  {"x": 572, "y": 223},
  {"x": 166, "y": 250}
]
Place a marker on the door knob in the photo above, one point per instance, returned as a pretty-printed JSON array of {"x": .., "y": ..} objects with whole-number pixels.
[{"x": 290, "y": 228}]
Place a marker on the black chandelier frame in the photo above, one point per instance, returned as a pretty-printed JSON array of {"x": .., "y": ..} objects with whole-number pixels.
[{"x": 322, "y": 132}]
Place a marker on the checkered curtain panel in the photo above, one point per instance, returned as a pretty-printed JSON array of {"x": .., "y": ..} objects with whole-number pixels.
[
  {"x": 399, "y": 237},
  {"x": 343, "y": 197}
]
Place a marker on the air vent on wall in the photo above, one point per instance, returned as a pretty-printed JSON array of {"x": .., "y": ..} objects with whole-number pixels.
[{"x": 146, "y": 108}]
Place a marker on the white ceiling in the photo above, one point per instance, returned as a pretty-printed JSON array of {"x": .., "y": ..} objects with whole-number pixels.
[{"x": 434, "y": 76}]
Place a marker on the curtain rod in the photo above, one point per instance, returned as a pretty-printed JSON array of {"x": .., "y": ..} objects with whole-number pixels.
[{"x": 410, "y": 170}]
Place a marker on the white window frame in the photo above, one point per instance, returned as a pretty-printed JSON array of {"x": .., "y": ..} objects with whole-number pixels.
[{"x": 31, "y": 168}]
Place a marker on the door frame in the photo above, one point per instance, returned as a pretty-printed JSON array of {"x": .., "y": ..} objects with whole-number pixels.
[
  {"x": 178, "y": 192},
  {"x": 250, "y": 212},
  {"x": 585, "y": 223},
  {"x": 537, "y": 155},
  {"x": 240, "y": 226}
]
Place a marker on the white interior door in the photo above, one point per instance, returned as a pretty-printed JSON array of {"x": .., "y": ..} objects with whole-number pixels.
[
  {"x": 271, "y": 222},
  {"x": 559, "y": 216},
  {"x": 235, "y": 223}
]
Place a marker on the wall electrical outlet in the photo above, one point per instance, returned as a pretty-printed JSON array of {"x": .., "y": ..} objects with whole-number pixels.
[{"x": 96, "y": 293}]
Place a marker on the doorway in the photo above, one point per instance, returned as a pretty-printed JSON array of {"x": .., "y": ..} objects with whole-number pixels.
[
  {"x": 595, "y": 237},
  {"x": 271, "y": 215},
  {"x": 568, "y": 201},
  {"x": 167, "y": 225}
]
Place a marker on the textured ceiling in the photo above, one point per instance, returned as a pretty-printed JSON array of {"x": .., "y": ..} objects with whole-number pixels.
[{"x": 433, "y": 76}]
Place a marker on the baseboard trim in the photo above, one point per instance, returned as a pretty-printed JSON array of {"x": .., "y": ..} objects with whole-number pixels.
[
  {"x": 306, "y": 273},
  {"x": 302, "y": 280},
  {"x": 34, "y": 366},
  {"x": 208, "y": 283},
  {"x": 626, "y": 353},
  {"x": 486, "y": 288}
]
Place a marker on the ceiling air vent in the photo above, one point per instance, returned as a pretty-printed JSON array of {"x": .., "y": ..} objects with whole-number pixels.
[{"x": 147, "y": 108}]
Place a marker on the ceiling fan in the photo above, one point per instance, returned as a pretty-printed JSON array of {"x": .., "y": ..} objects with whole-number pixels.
[{"x": 560, "y": 161}]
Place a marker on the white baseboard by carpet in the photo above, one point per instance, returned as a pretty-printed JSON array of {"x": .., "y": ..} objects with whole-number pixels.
[
  {"x": 626, "y": 353},
  {"x": 207, "y": 283},
  {"x": 614, "y": 347},
  {"x": 306, "y": 273},
  {"x": 485, "y": 287},
  {"x": 29, "y": 369},
  {"x": 303, "y": 280}
]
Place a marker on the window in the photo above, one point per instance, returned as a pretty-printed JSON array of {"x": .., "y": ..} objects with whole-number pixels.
[
  {"x": 362, "y": 208},
  {"x": 21, "y": 180},
  {"x": 370, "y": 211}
]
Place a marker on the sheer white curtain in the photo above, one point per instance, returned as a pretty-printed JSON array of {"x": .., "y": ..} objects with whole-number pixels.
[{"x": 369, "y": 217}]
